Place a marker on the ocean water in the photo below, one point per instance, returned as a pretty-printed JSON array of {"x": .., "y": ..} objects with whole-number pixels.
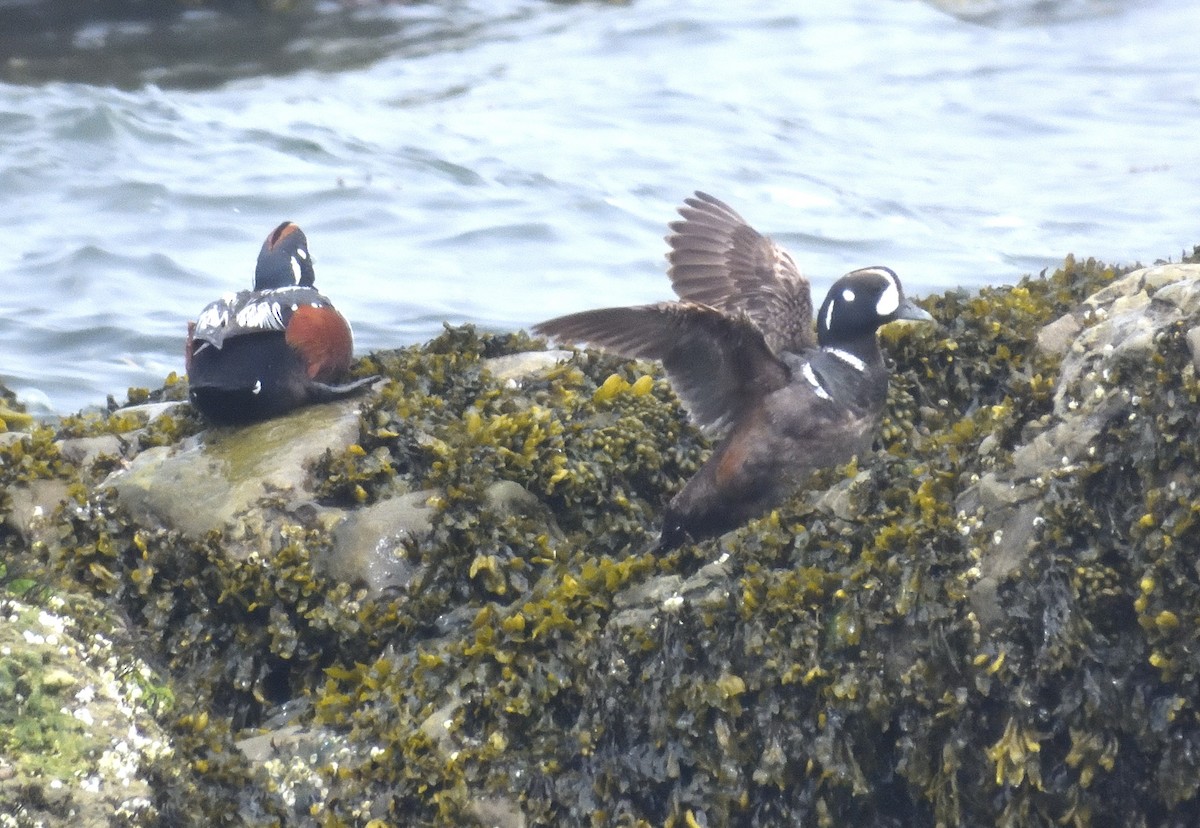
[{"x": 505, "y": 161}]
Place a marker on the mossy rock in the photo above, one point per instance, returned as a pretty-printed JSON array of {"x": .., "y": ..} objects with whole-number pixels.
[
  {"x": 78, "y": 727},
  {"x": 961, "y": 629}
]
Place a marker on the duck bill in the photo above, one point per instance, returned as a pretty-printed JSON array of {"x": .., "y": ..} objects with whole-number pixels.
[{"x": 911, "y": 312}]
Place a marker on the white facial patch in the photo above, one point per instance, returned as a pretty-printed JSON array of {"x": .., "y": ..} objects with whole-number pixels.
[
  {"x": 829, "y": 316},
  {"x": 889, "y": 300},
  {"x": 302, "y": 253},
  {"x": 811, "y": 376},
  {"x": 848, "y": 295},
  {"x": 297, "y": 273}
]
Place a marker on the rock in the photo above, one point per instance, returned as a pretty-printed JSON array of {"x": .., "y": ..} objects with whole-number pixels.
[
  {"x": 212, "y": 481},
  {"x": 513, "y": 368},
  {"x": 507, "y": 497},
  {"x": 370, "y": 544},
  {"x": 1193, "y": 340},
  {"x": 1131, "y": 314},
  {"x": 1000, "y": 601},
  {"x": 1135, "y": 288},
  {"x": 264, "y": 746},
  {"x": 83, "y": 451},
  {"x": 840, "y": 499},
  {"x": 80, "y": 727},
  {"x": 1056, "y": 338},
  {"x": 295, "y": 757},
  {"x": 152, "y": 411},
  {"x": 32, "y": 508},
  {"x": 495, "y": 812}
]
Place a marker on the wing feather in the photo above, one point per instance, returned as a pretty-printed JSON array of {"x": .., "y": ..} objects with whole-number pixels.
[
  {"x": 719, "y": 364},
  {"x": 253, "y": 311},
  {"x": 717, "y": 259}
]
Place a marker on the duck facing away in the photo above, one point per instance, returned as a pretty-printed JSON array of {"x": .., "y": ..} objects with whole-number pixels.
[
  {"x": 741, "y": 353},
  {"x": 262, "y": 352}
]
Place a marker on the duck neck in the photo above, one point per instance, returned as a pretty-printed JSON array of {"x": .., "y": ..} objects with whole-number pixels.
[{"x": 864, "y": 348}]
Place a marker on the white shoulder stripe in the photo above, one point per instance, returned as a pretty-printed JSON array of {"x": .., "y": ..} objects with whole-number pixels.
[
  {"x": 263, "y": 314},
  {"x": 215, "y": 315},
  {"x": 819, "y": 389},
  {"x": 848, "y": 358}
]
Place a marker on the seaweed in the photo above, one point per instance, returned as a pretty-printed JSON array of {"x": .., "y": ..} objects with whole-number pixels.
[{"x": 830, "y": 663}]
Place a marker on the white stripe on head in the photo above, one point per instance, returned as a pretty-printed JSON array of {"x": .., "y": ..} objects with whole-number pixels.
[
  {"x": 829, "y": 315},
  {"x": 297, "y": 273},
  {"x": 889, "y": 300}
]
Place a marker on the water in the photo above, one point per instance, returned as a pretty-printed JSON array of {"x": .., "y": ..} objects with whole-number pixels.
[{"x": 504, "y": 161}]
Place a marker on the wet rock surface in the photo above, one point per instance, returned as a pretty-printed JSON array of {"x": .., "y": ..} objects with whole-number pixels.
[
  {"x": 1122, "y": 324},
  {"x": 215, "y": 480},
  {"x": 435, "y": 605}
]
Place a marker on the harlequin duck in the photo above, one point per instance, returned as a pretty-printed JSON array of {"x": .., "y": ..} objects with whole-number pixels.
[
  {"x": 262, "y": 352},
  {"x": 740, "y": 350}
]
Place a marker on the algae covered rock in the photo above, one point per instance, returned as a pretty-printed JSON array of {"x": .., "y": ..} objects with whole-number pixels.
[
  {"x": 212, "y": 480},
  {"x": 78, "y": 712},
  {"x": 13, "y": 416},
  {"x": 991, "y": 620}
]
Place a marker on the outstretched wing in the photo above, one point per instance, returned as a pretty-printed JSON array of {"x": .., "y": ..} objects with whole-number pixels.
[
  {"x": 717, "y": 259},
  {"x": 719, "y": 364}
]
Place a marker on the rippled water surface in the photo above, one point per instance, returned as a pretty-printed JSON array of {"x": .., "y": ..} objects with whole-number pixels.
[{"x": 504, "y": 161}]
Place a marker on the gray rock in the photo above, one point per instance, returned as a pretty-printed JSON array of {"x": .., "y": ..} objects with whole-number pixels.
[
  {"x": 370, "y": 545},
  {"x": 152, "y": 411},
  {"x": 496, "y": 812},
  {"x": 1126, "y": 319},
  {"x": 264, "y": 746},
  {"x": 840, "y": 498},
  {"x": 514, "y": 368},
  {"x": 643, "y": 606},
  {"x": 1118, "y": 296},
  {"x": 1057, "y": 337},
  {"x": 213, "y": 480},
  {"x": 296, "y": 759},
  {"x": 32, "y": 506},
  {"x": 83, "y": 451},
  {"x": 1193, "y": 341},
  {"x": 91, "y": 698},
  {"x": 507, "y": 497}
]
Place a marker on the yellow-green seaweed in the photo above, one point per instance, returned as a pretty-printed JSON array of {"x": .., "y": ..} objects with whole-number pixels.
[{"x": 828, "y": 664}]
